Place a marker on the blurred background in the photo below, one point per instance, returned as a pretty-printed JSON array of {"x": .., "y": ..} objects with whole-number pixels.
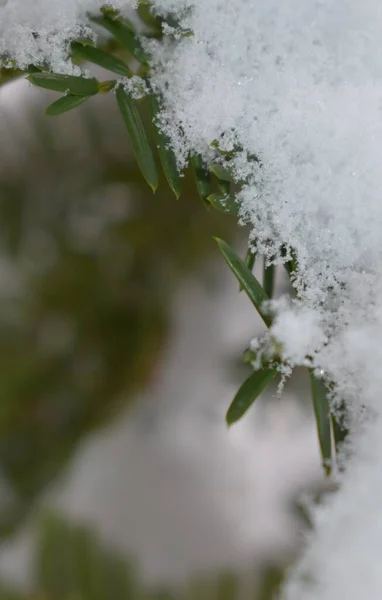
[{"x": 121, "y": 342}]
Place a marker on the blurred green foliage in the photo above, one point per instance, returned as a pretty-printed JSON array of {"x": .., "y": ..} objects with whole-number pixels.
[
  {"x": 72, "y": 563},
  {"x": 89, "y": 260}
]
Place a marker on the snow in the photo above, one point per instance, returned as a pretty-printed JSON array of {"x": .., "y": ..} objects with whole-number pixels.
[
  {"x": 298, "y": 84},
  {"x": 40, "y": 31},
  {"x": 296, "y": 332}
]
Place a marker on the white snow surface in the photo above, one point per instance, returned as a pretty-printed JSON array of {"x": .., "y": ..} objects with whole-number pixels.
[
  {"x": 38, "y": 31},
  {"x": 298, "y": 84}
]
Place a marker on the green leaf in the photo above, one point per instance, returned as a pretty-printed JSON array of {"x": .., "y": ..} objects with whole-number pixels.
[
  {"x": 250, "y": 259},
  {"x": 145, "y": 12},
  {"x": 202, "y": 177},
  {"x": 224, "y": 186},
  {"x": 166, "y": 155},
  {"x": 249, "y": 356},
  {"x": 77, "y": 86},
  {"x": 248, "y": 393},
  {"x": 268, "y": 279},
  {"x": 65, "y": 104},
  {"x": 138, "y": 136},
  {"x": 106, "y": 86},
  {"x": 223, "y": 176},
  {"x": 123, "y": 32},
  {"x": 33, "y": 69},
  {"x": 246, "y": 278},
  {"x": 101, "y": 58},
  {"x": 113, "y": 13},
  {"x": 222, "y": 173},
  {"x": 225, "y": 203},
  {"x": 322, "y": 414}
]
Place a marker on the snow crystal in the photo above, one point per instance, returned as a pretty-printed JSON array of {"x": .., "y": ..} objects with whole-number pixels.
[{"x": 135, "y": 86}]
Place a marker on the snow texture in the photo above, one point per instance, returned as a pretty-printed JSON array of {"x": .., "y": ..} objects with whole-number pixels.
[
  {"x": 293, "y": 90},
  {"x": 39, "y": 31},
  {"x": 298, "y": 84}
]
